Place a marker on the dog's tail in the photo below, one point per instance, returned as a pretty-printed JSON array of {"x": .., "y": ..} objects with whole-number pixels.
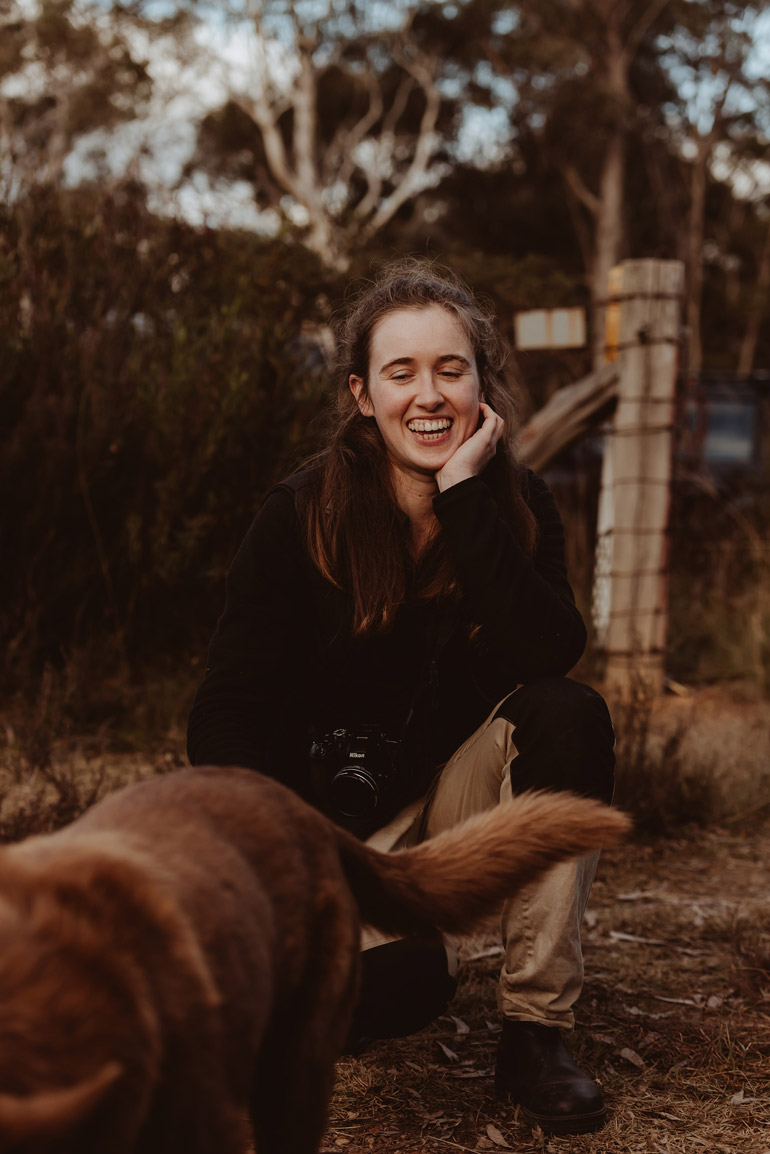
[{"x": 454, "y": 880}]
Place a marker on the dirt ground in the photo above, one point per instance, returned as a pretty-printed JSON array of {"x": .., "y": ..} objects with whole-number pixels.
[{"x": 674, "y": 1021}]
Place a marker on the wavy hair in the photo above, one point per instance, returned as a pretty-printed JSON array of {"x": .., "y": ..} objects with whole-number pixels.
[{"x": 357, "y": 535}]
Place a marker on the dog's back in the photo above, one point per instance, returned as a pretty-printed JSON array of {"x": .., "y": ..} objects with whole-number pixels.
[{"x": 188, "y": 949}]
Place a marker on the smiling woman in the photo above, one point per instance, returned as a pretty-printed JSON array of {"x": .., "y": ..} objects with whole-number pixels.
[
  {"x": 424, "y": 393},
  {"x": 394, "y": 645},
  {"x": 420, "y": 338}
]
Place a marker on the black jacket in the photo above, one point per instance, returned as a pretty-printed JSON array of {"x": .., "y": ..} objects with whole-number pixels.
[{"x": 283, "y": 665}]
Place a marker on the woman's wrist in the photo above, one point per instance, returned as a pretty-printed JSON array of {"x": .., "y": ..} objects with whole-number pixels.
[{"x": 447, "y": 477}]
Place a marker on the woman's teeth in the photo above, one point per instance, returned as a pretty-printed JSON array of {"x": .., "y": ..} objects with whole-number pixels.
[{"x": 438, "y": 426}]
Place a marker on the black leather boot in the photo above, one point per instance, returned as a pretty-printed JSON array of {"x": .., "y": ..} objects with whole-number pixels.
[{"x": 534, "y": 1068}]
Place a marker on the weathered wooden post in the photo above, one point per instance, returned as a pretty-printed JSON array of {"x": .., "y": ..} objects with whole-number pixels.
[{"x": 630, "y": 583}]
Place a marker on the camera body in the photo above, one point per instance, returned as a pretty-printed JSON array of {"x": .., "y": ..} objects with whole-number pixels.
[{"x": 355, "y": 769}]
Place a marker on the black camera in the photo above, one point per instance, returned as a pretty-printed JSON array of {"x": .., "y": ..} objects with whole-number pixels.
[{"x": 354, "y": 769}]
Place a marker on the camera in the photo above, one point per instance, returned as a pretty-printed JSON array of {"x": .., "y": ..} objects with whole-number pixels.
[{"x": 354, "y": 769}]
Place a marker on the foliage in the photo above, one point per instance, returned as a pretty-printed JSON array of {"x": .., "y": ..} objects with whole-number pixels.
[
  {"x": 655, "y": 783},
  {"x": 613, "y": 130},
  {"x": 156, "y": 376},
  {"x": 155, "y": 379},
  {"x": 719, "y": 597},
  {"x": 71, "y": 72}
]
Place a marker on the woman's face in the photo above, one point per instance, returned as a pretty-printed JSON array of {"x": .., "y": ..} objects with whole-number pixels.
[{"x": 423, "y": 389}]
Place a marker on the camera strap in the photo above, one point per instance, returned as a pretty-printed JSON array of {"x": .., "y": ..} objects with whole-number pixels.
[{"x": 427, "y": 684}]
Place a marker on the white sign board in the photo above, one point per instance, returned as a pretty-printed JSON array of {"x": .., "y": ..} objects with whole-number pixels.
[{"x": 550, "y": 329}]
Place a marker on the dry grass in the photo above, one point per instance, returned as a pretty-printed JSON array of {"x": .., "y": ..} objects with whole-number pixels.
[
  {"x": 47, "y": 780},
  {"x": 693, "y": 757}
]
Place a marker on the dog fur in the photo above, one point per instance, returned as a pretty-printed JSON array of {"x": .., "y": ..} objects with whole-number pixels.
[{"x": 186, "y": 954}]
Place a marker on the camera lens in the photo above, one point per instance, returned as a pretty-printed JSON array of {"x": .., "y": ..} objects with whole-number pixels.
[{"x": 354, "y": 792}]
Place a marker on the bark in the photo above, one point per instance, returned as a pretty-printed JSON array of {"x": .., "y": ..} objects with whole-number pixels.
[
  {"x": 609, "y": 234},
  {"x": 757, "y": 310},
  {"x": 695, "y": 238},
  {"x": 696, "y": 231}
]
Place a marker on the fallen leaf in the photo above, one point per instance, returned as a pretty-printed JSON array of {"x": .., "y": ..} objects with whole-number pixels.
[
  {"x": 448, "y": 1054},
  {"x": 497, "y": 1138},
  {"x": 492, "y": 952},
  {"x": 619, "y": 936},
  {"x": 649, "y": 1039},
  {"x": 737, "y": 1098},
  {"x": 632, "y": 1057}
]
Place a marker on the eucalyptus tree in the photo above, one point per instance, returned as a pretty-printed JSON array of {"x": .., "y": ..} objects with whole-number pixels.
[
  {"x": 576, "y": 65},
  {"x": 66, "y": 70},
  {"x": 338, "y": 114},
  {"x": 638, "y": 107},
  {"x": 720, "y": 128}
]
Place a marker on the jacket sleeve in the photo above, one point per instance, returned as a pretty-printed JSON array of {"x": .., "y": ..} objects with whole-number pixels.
[
  {"x": 256, "y": 657},
  {"x": 524, "y": 605}
]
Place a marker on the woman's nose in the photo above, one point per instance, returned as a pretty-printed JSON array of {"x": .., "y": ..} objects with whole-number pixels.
[{"x": 428, "y": 394}]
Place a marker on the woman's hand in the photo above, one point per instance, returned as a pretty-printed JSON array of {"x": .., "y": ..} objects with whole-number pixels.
[{"x": 475, "y": 453}]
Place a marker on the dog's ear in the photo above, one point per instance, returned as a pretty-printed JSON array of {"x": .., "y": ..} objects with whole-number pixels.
[{"x": 50, "y": 1113}]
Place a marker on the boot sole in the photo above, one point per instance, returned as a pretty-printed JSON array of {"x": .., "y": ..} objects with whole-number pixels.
[{"x": 569, "y": 1124}]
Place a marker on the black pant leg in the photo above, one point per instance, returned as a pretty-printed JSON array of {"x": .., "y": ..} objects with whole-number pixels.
[{"x": 564, "y": 738}]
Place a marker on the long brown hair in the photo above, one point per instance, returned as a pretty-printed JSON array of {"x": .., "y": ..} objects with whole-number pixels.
[{"x": 357, "y": 535}]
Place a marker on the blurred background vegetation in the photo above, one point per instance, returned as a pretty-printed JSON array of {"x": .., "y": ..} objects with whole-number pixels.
[{"x": 186, "y": 190}]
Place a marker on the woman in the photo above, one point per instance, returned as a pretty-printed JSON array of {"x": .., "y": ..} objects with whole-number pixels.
[{"x": 394, "y": 645}]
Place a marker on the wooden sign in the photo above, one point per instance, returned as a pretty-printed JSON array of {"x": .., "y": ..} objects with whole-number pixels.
[{"x": 550, "y": 329}]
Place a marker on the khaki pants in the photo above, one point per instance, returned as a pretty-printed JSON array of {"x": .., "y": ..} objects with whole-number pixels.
[{"x": 542, "y": 973}]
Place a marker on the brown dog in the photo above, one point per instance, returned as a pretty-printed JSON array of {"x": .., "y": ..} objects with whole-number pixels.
[{"x": 188, "y": 951}]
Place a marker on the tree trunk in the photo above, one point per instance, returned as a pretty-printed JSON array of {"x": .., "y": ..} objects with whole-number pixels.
[
  {"x": 609, "y": 209},
  {"x": 756, "y": 310},
  {"x": 695, "y": 238},
  {"x": 609, "y": 234}
]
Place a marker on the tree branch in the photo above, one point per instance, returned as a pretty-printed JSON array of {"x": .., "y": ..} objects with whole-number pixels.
[
  {"x": 642, "y": 26},
  {"x": 343, "y": 146},
  {"x": 385, "y": 143},
  {"x": 305, "y": 101},
  {"x": 580, "y": 190},
  {"x": 275, "y": 150},
  {"x": 413, "y": 180}
]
